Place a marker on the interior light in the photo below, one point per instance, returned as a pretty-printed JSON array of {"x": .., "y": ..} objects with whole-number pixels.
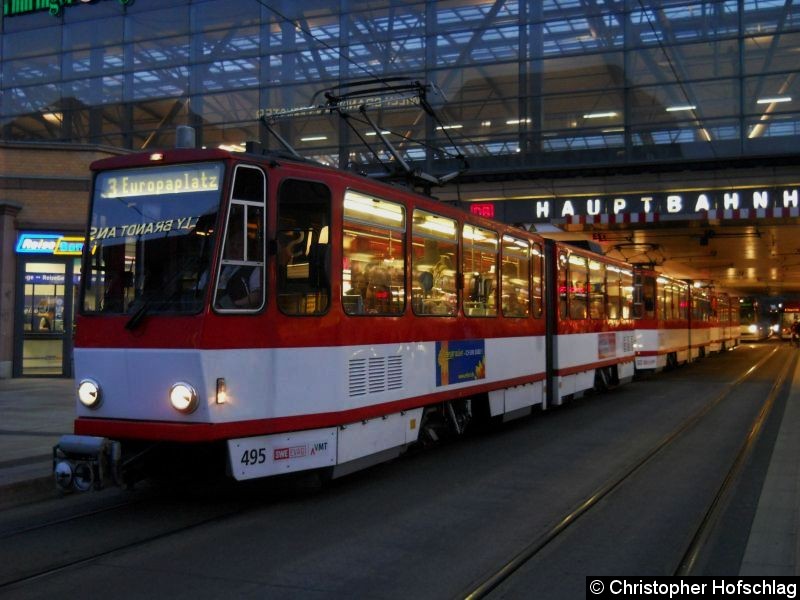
[
  {"x": 681, "y": 107},
  {"x": 443, "y": 127},
  {"x": 314, "y": 138}
]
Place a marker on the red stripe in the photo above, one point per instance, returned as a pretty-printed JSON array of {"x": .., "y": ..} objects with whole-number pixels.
[
  {"x": 590, "y": 366},
  {"x": 209, "y": 432}
]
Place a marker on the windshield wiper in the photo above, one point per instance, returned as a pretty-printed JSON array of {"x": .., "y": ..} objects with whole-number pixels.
[
  {"x": 148, "y": 303},
  {"x": 137, "y": 317}
]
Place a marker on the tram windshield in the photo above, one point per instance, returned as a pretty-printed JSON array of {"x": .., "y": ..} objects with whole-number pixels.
[{"x": 151, "y": 239}]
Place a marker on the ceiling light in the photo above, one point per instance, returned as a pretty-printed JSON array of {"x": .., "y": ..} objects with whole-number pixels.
[
  {"x": 314, "y": 138},
  {"x": 517, "y": 121},
  {"x": 774, "y": 100},
  {"x": 681, "y": 107},
  {"x": 600, "y": 115}
]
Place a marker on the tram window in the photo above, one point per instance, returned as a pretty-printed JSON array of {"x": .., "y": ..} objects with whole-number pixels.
[
  {"x": 536, "y": 279},
  {"x": 578, "y": 287},
  {"x": 671, "y": 301},
  {"x": 597, "y": 290},
  {"x": 240, "y": 284},
  {"x": 515, "y": 280},
  {"x": 683, "y": 302},
  {"x": 563, "y": 285},
  {"x": 645, "y": 297},
  {"x": 613, "y": 292},
  {"x": 479, "y": 265},
  {"x": 434, "y": 248},
  {"x": 303, "y": 247},
  {"x": 626, "y": 286},
  {"x": 373, "y": 242}
]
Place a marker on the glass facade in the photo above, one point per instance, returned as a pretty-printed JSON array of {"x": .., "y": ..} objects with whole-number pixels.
[{"x": 525, "y": 84}]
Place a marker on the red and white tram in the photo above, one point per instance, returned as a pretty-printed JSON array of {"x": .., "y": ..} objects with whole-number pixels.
[
  {"x": 677, "y": 323},
  {"x": 278, "y": 316}
]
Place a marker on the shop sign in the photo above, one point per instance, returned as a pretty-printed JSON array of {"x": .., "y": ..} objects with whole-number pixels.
[
  {"x": 12, "y": 8},
  {"x": 45, "y": 278},
  {"x": 49, "y": 243},
  {"x": 734, "y": 203}
]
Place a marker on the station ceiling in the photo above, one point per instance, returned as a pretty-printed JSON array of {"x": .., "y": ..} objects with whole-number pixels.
[
  {"x": 746, "y": 259},
  {"x": 744, "y": 252}
]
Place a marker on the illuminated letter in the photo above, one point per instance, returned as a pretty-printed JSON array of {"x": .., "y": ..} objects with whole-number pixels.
[
  {"x": 542, "y": 209},
  {"x": 702, "y": 203},
  {"x": 647, "y": 201},
  {"x": 731, "y": 200},
  {"x": 593, "y": 206},
  {"x": 761, "y": 199},
  {"x": 568, "y": 209},
  {"x": 789, "y": 198},
  {"x": 620, "y": 204},
  {"x": 674, "y": 204}
]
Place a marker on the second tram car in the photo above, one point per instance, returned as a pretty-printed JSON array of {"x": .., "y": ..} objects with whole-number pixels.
[
  {"x": 276, "y": 316},
  {"x": 677, "y": 322}
]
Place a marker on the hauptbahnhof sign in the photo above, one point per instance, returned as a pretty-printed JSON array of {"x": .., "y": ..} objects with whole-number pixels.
[
  {"x": 20, "y": 7},
  {"x": 780, "y": 202}
]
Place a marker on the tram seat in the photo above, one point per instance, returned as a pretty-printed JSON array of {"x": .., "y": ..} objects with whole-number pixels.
[{"x": 353, "y": 304}]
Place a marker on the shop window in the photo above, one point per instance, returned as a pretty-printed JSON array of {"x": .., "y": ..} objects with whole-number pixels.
[
  {"x": 434, "y": 251},
  {"x": 373, "y": 243}
]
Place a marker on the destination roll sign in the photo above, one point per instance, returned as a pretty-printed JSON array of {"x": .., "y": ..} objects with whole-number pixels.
[{"x": 749, "y": 203}]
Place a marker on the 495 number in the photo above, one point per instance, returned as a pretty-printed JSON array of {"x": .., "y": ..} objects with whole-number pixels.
[{"x": 254, "y": 456}]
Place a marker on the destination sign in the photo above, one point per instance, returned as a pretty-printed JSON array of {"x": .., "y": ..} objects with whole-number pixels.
[
  {"x": 764, "y": 202},
  {"x": 158, "y": 181}
]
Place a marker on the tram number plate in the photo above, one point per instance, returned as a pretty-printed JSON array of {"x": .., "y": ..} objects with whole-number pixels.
[{"x": 266, "y": 455}]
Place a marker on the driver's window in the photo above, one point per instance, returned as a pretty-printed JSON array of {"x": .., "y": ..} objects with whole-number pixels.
[{"x": 240, "y": 281}]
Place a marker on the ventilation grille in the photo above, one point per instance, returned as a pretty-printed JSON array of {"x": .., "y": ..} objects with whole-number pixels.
[{"x": 375, "y": 375}]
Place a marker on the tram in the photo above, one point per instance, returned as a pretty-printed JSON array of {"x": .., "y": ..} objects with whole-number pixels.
[
  {"x": 677, "y": 323},
  {"x": 256, "y": 314},
  {"x": 754, "y": 327},
  {"x": 789, "y": 314}
]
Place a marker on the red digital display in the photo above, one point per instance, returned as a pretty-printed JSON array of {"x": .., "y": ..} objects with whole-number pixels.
[{"x": 482, "y": 209}]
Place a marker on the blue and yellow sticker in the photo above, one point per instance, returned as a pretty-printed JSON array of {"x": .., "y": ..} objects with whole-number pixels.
[{"x": 460, "y": 360}]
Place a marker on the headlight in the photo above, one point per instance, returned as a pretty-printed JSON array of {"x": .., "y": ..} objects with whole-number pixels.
[
  {"x": 753, "y": 329},
  {"x": 183, "y": 397},
  {"x": 89, "y": 393}
]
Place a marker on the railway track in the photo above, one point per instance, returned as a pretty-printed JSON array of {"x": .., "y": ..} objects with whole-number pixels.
[
  {"x": 688, "y": 561},
  {"x": 90, "y": 535}
]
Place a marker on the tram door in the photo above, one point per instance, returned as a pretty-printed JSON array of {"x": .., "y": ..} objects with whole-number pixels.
[{"x": 46, "y": 296}]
